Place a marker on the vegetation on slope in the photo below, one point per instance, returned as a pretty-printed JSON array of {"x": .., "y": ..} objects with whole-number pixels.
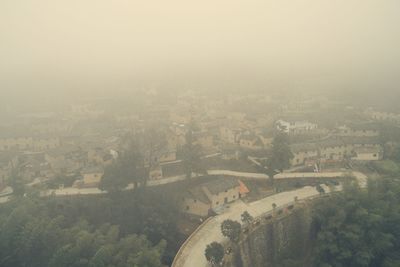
[
  {"x": 128, "y": 229},
  {"x": 359, "y": 228}
]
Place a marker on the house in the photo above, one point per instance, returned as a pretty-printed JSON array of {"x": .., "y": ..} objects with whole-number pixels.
[
  {"x": 266, "y": 138},
  {"x": 31, "y": 167},
  {"x": 292, "y": 126},
  {"x": 332, "y": 149},
  {"x": 359, "y": 130},
  {"x": 20, "y": 143},
  {"x": 92, "y": 176},
  {"x": 166, "y": 155},
  {"x": 229, "y": 135},
  {"x": 367, "y": 154},
  {"x": 250, "y": 141},
  {"x": 230, "y": 153},
  {"x": 155, "y": 173},
  {"x": 337, "y": 149},
  {"x": 303, "y": 152},
  {"x": 382, "y": 115},
  {"x": 204, "y": 198}
]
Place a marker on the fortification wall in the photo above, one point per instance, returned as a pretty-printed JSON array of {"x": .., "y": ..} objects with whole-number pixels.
[{"x": 282, "y": 237}]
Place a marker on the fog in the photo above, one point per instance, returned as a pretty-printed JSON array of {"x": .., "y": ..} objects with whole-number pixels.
[{"x": 98, "y": 45}]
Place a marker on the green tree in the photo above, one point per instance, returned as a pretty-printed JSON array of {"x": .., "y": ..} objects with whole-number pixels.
[
  {"x": 191, "y": 155},
  {"x": 320, "y": 189},
  {"x": 16, "y": 183},
  {"x": 246, "y": 217},
  {"x": 231, "y": 229},
  {"x": 151, "y": 143},
  {"x": 214, "y": 253},
  {"x": 280, "y": 155},
  {"x": 359, "y": 228},
  {"x": 114, "y": 179},
  {"x": 127, "y": 168}
]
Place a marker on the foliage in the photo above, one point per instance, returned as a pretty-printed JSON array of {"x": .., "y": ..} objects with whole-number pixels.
[
  {"x": 320, "y": 189},
  {"x": 16, "y": 183},
  {"x": 246, "y": 217},
  {"x": 191, "y": 155},
  {"x": 396, "y": 154},
  {"x": 359, "y": 228},
  {"x": 214, "y": 253},
  {"x": 29, "y": 236},
  {"x": 386, "y": 167},
  {"x": 150, "y": 143},
  {"x": 128, "y": 168},
  {"x": 280, "y": 155},
  {"x": 231, "y": 229}
]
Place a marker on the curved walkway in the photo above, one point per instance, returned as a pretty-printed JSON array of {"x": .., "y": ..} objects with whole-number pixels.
[{"x": 191, "y": 253}]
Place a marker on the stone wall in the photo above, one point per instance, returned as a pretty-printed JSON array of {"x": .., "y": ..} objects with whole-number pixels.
[{"x": 278, "y": 242}]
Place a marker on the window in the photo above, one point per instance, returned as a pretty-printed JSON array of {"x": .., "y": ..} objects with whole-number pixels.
[
  {"x": 217, "y": 203},
  {"x": 195, "y": 200},
  {"x": 234, "y": 196},
  {"x": 374, "y": 155},
  {"x": 187, "y": 207}
]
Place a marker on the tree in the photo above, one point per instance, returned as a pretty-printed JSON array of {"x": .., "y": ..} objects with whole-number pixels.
[
  {"x": 320, "y": 189},
  {"x": 246, "y": 217},
  {"x": 113, "y": 179},
  {"x": 359, "y": 228},
  {"x": 231, "y": 229},
  {"x": 191, "y": 154},
  {"x": 151, "y": 143},
  {"x": 280, "y": 155},
  {"x": 214, "y": 253},
  {"x": 16, "y": 183},
  {"x": 127, "y": 168}
]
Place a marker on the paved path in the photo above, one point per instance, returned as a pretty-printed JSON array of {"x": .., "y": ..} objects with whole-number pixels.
[
  {"x": 69, "y": 191},
  {"x": 191, "y": 253}
]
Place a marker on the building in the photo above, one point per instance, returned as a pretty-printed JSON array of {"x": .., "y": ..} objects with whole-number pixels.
[
  {"x": 295, "y": 126},
  {"x": 359, "y": 130},
  {"x": 203, "y": 199},
  {"x": 250, "y": 141},
  {"x": 229, "y": 135},
  {"x": 367, "y": 154},
  {"x": 332, "y": 149},
  {"x": 92, "y": 176},
  {"x": 337, "y": 149},
  {"x": 382, "y": 115},
  {"x": 23, "y": 143},
  {"x": 155, "y": 173},
  {"x": 266, "y": 139},
  {"x": 303, "y": 153}
]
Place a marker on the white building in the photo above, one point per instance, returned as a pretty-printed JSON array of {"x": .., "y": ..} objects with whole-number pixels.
[{"x": 295, "y": 127}]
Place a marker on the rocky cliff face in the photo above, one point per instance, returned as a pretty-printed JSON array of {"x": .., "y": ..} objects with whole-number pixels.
[{"x": 282, "y": 241}]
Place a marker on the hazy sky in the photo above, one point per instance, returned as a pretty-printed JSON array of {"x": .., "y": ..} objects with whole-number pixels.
[{"x": 60, "y": 44}]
